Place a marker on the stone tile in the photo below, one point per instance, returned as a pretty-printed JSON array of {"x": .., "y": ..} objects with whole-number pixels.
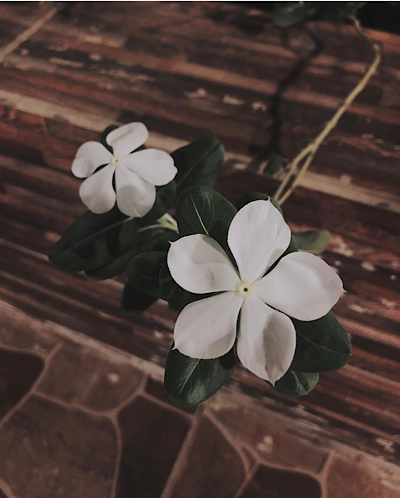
[
  {"x": 48, "y": 451},
  {"x": 266, "y": 433},
  {"x": 274, "y": 483},
  {"x": 355, "y": 477},
  {"x": 152, "y": 437},
  {"x": 18, "y": 371},
  {"x": 212, "y": 466},
  {"x": 156, "y": 389},
  {"x": 23, "y": 331},
  {"x": 82, "y": 375}
]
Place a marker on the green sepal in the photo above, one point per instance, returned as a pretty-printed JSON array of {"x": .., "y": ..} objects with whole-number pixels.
[
  {"x": 190, "y": 381},
  {"x": 134, "y": 301},
  {"x": 296, "y": 384},
  {"x": 94, "y": 241},
  {"x": 198, "y": 163}
]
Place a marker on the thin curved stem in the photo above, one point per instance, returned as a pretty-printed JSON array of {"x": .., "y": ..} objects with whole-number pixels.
[{"x": 294, "y": 174}]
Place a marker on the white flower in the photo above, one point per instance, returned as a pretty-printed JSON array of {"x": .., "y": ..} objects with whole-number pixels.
[
  {"x": 301, "y": 285},
  {"x": 136, "y": 173}
]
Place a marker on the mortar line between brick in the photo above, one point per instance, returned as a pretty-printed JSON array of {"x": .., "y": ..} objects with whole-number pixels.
[
  {"x": 181, "y": 458},
  {"x": 25, "y": 35},
  {"x": 31, "y": 391},
  {"x": 323, "y": 475},
  {"x": 229, "y": 437},
  {"x": 118, "y": 457},
  {"x": 249, "y": 476}
]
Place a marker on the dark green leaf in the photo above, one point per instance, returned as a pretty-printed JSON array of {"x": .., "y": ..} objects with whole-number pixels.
[
  {"x": 165, "y": 200},
  {"x": 190, "y": 381},
  {"x": 275, "y": 165},
  {"x": 198, "y": 163},
  {"x": 135, "y": 301},
  {"x": 323, "y": 345},
  {"x": 116, "y": 267},
  {"x": 155, "y": 238},
  {"x": 256, "y": 196},
  {"x": 104, "y": 134},
  {"x": 144, "y": 271},
  {"x": 289, "y": 13},
  {"x": 177, "y": 297},
  {"x": 312, "y": 241},
  {"x": 94, "y": 241},
  {"x": 296, "y": 384},
  {"x": 202, "y": 210}
]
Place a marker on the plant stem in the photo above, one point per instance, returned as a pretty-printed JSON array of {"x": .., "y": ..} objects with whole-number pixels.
[
  {"x": 166, "y": 221},
  {"x": 169, "y": 222},
  {"x": 294, "y": 175}
]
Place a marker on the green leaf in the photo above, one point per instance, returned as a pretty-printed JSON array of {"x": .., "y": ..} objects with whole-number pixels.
[
  {"x": 116, "y": 267},
  {"x": 177, "y": 297},
  {"x": 275, "y": 166},
  {"x": 289, "y": 13},
  {"x": 202, "y": 210},
  {"x": 104, "y": 134},
  {"x": 296, "y": 384},
  {"x": 94, "y": 241},
  {"x": 198, "y": 163},
  {"x": 256, "y": 196},
  {"x": 190, "y": 381},
  {"x": 322, "y": 345},
  {"x": 165, "y": 200},
  {"x": 144, "y": 271},
  {"x": 155, "y": 238},
  {"x": 135, "y": 301},
  {"x": 312, "y": 241}
]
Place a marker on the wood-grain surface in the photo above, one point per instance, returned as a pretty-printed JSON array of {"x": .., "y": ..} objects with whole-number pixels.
[{"x": 189, "y": 69}]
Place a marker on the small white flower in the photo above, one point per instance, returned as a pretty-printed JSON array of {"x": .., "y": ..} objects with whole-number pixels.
[
  {"x": 301, "y": 286},
  {"x": 136, "y": 173}
]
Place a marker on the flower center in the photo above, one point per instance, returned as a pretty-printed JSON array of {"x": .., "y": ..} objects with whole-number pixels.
[
  {"x": 115, "y": 160},
  {"x": 244, "y": 289}
]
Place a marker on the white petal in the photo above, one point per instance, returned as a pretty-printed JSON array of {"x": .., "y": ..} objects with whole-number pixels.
[
  {"x": 207, "y": 328},
  {"x": 135, "y": 197},
  {"x": 97, "y": 191},
  {"x": 199, "y": 264},
  {"x": 301, "y": 285},
  {"x": 267, "y": 340},
  {"x": 257, "y": 237},
  {"x": 89, "y": 157},
  {"x": 127, "y": 138},
  {"x": 153, "y": 165}
]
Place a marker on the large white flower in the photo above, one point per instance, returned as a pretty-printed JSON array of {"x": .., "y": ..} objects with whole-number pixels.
[
  {"x": 136, "y": 173},
  {"x": 301, "y": 286}
]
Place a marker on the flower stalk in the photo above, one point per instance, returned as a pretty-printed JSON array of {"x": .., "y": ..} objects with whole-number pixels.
[{"x": 295, "y": 172}]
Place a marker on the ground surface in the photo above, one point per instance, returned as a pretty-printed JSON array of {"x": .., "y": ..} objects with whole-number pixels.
[{"x": 82, "y": 409}]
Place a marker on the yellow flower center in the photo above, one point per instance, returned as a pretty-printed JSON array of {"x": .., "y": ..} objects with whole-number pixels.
[
  {"x": 115, "y": 160},
  {"x": 244, "y": 289}
]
